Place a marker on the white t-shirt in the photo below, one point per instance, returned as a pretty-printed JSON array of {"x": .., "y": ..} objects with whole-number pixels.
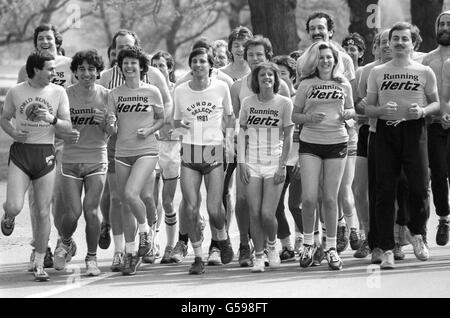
[{"x": 204, "y": 110}]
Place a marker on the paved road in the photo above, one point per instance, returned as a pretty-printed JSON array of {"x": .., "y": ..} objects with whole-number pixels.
[{"x": 411, "y": 278}]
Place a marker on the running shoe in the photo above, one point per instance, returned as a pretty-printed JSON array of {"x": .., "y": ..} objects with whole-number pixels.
[
  {"x": 40, "y": 275},
  {"x": 265, "y": 258},
  {"x": 419, "y": 247},
  {"x": 245, "y": 256},
  {"x": 105, "y": 237},
  {"x": 399, "y": 255},
  {"x": 214, "y": 257},
  {"x": 157, "y": 250},
  {"x": 130, "y": 264},
  {"x": 319, "y": 255},
  {"x": 442, "y": 232},
  {"x": 92, "y": 267},
  {"x": 179, "y": 252},
  {"x": 401, "y": 233},
  {"x": 166, "y": 257},
  {"x": 258, "y": 265},
  {"x": 363, "y": 251},
  {"x": 48, "y": 258},
  {"x": 377, "y": 254},
  {"x": 117, "y": 262},
  {"x": 226, "y": 250},
  {"x": 144, "y": 244},
  {"x": 355, "y": 241},
  {"x": 63, "y": 254},
  {"x": 7, "y": 225},
  {"x": 342, "y": 238},
  {"x": 198, "y": 267},
  {"x": 306, "y": 259},
  {"x": 298, "y": 245},
  {"x": 273, "y": 256},
  {"x": 388, "y": 260},
  {"x": 286, "y": 255},
  {"x": 150, "y": 257},
  {"x": 333, "y": 259}
]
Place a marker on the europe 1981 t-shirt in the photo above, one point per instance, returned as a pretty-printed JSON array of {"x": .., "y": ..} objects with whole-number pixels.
[
  {"x": 204, "y": 110},
  {"x": 403, "y": 85},
  {"x": 265, "y": 122},
  {"x": 329, "y": 97}
]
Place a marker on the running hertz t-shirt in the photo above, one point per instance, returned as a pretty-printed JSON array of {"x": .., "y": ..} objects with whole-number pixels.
[
  {"x": 404, "y": 85},
  {"x": 22, "y": 99},
  {"x": 265, "y": 122},
  {"x": 134, "y": 109},
  {"x": 329, "y": 97},
  {"x": 204, "y": 110},
  {"x": 91, "y": 146}
]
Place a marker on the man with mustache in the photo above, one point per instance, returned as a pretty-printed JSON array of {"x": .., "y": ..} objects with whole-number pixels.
[
  {"x": 438, "y": 137},
  {"x": 400, "y": 94}
]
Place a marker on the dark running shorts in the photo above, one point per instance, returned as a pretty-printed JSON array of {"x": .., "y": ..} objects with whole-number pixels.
[
  {"x": 203, "y": 159},
  {"x": 35, "y": 160},
  {"x": 334, "y": 151}
]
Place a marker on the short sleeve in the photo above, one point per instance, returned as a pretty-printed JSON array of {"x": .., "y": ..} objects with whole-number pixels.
[
  {"x": 372, "y": 86},
  {"x": 178, "y": 114},
  {"x": 287, "y": 113},
  {"x": 227, "y": 107},
  {"x": 431, "y": 84}
]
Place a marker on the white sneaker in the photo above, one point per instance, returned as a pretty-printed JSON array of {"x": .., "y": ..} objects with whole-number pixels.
[
  {"x": 92, "y": 268},
  {"x": 214, "y": 257},
  {"x": 298, "y": 246},
  {"x": 419, "y": 247},
  {"x": 274, "y": 257},
  {"x": 387, "y": 260},
  {"x": 258, "y": 265}
]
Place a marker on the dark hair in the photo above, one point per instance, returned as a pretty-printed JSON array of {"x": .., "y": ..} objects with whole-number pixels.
[
  {"x": 169, "y": 61},
  {"x": 319, "y": 15},
  {"x": 200, "y": 51},
  {"x": 134, "y": 52},
  {"x": 37, "y": 60},
  {"x": 125, "y": 32},
  {"x": 358, "y": 41},
  {"x": 48, "y": 27},
  {"x": 91, "y": 57},
  {"x": 204, "y": 43},
  {"x": 112, "y": 62},
  {"x": 265, "y": 65},
  {"x": 259, "y": 40},
  {"x": 237, "y": 34},
  {"x": 288, "y": 62},
  {"x": 400, "y": 26},
  {"x": 419, "y": 40},
  {"x": 377, "y": 39},
  {"x": 296, "y": 54}
]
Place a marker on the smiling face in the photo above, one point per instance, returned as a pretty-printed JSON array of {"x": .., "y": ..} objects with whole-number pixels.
[
  {"x": 385, "y": 49},
  {"x": 401, "y": 43},
  {"x": 221, "y": 57},
  {"x": 266, "y": 78},
  {"x": 354, "y": 53},
  {"x": 161, "y": 64},
  {"x": 326, "y": 62},
  {"x": 86, "y": 74},
  {"x": 200, "y": 66},
  {"x": 318, "y": 30},
  {"x": 47, "y": 74},
  {"x": 237, "y": 50},
  {"x": 131, "y": 68},
  {"x": 255, "y": 55},
  {"x": 45, "y": 42}
]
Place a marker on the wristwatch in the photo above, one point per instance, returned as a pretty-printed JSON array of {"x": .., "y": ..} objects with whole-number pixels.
[{"x": 55, "y": 120}]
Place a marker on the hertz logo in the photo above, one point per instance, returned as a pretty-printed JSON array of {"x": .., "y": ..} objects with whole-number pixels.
[
  {"x": 126, "y": 108},
  {"x": 326, "y": 95},
  {"x": 406, "y": 86}
]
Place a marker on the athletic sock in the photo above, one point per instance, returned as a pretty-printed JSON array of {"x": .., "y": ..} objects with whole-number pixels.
[
  {"x": 197, "y": 246},
  {"x": 91, "y": 255},
  {"x": 222, "y": 234},
  {"x": 118, "y": 243},
  {"x": 309, "y": 238},
  {"x": 171, "y": 228},
  {"x": 130, "y": 248},
  {"x": 183, "y": 237},
  {"x": 144, "y": 228},
  {"x": 317, "y": 240},
  {"x": 286, "y": 242},
  {"x": 331, "y": 242},
  {"x": 341, "y": 221},
  {"x": 67, "y": 242}
]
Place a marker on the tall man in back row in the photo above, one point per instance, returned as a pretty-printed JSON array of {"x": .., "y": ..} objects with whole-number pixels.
[
  {"x": 39, "y": 108},
  {"x": 406, "y": 93}
]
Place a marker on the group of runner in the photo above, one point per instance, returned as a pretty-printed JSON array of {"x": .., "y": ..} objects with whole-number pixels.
[{"x": 352, "y": 143}]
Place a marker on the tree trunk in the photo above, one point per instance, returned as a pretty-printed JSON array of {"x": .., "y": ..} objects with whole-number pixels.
[
  {"x": 364, "y": 19},
  {"x": 424, "y": 14},
  {"x": 236, "y": 7},
  {"x": 276, "y": 21}
]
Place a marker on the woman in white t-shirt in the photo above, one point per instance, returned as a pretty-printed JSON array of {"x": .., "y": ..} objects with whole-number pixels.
[{"x": 265, "y": 118}]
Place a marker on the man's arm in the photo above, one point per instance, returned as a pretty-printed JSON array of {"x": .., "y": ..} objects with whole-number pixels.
[{"x": 160, "y": 82}]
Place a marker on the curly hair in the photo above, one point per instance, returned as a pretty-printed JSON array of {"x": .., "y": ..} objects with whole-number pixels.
[
  {"x": 134, "y": 52},
  {"x": 91, "y": 57}
]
